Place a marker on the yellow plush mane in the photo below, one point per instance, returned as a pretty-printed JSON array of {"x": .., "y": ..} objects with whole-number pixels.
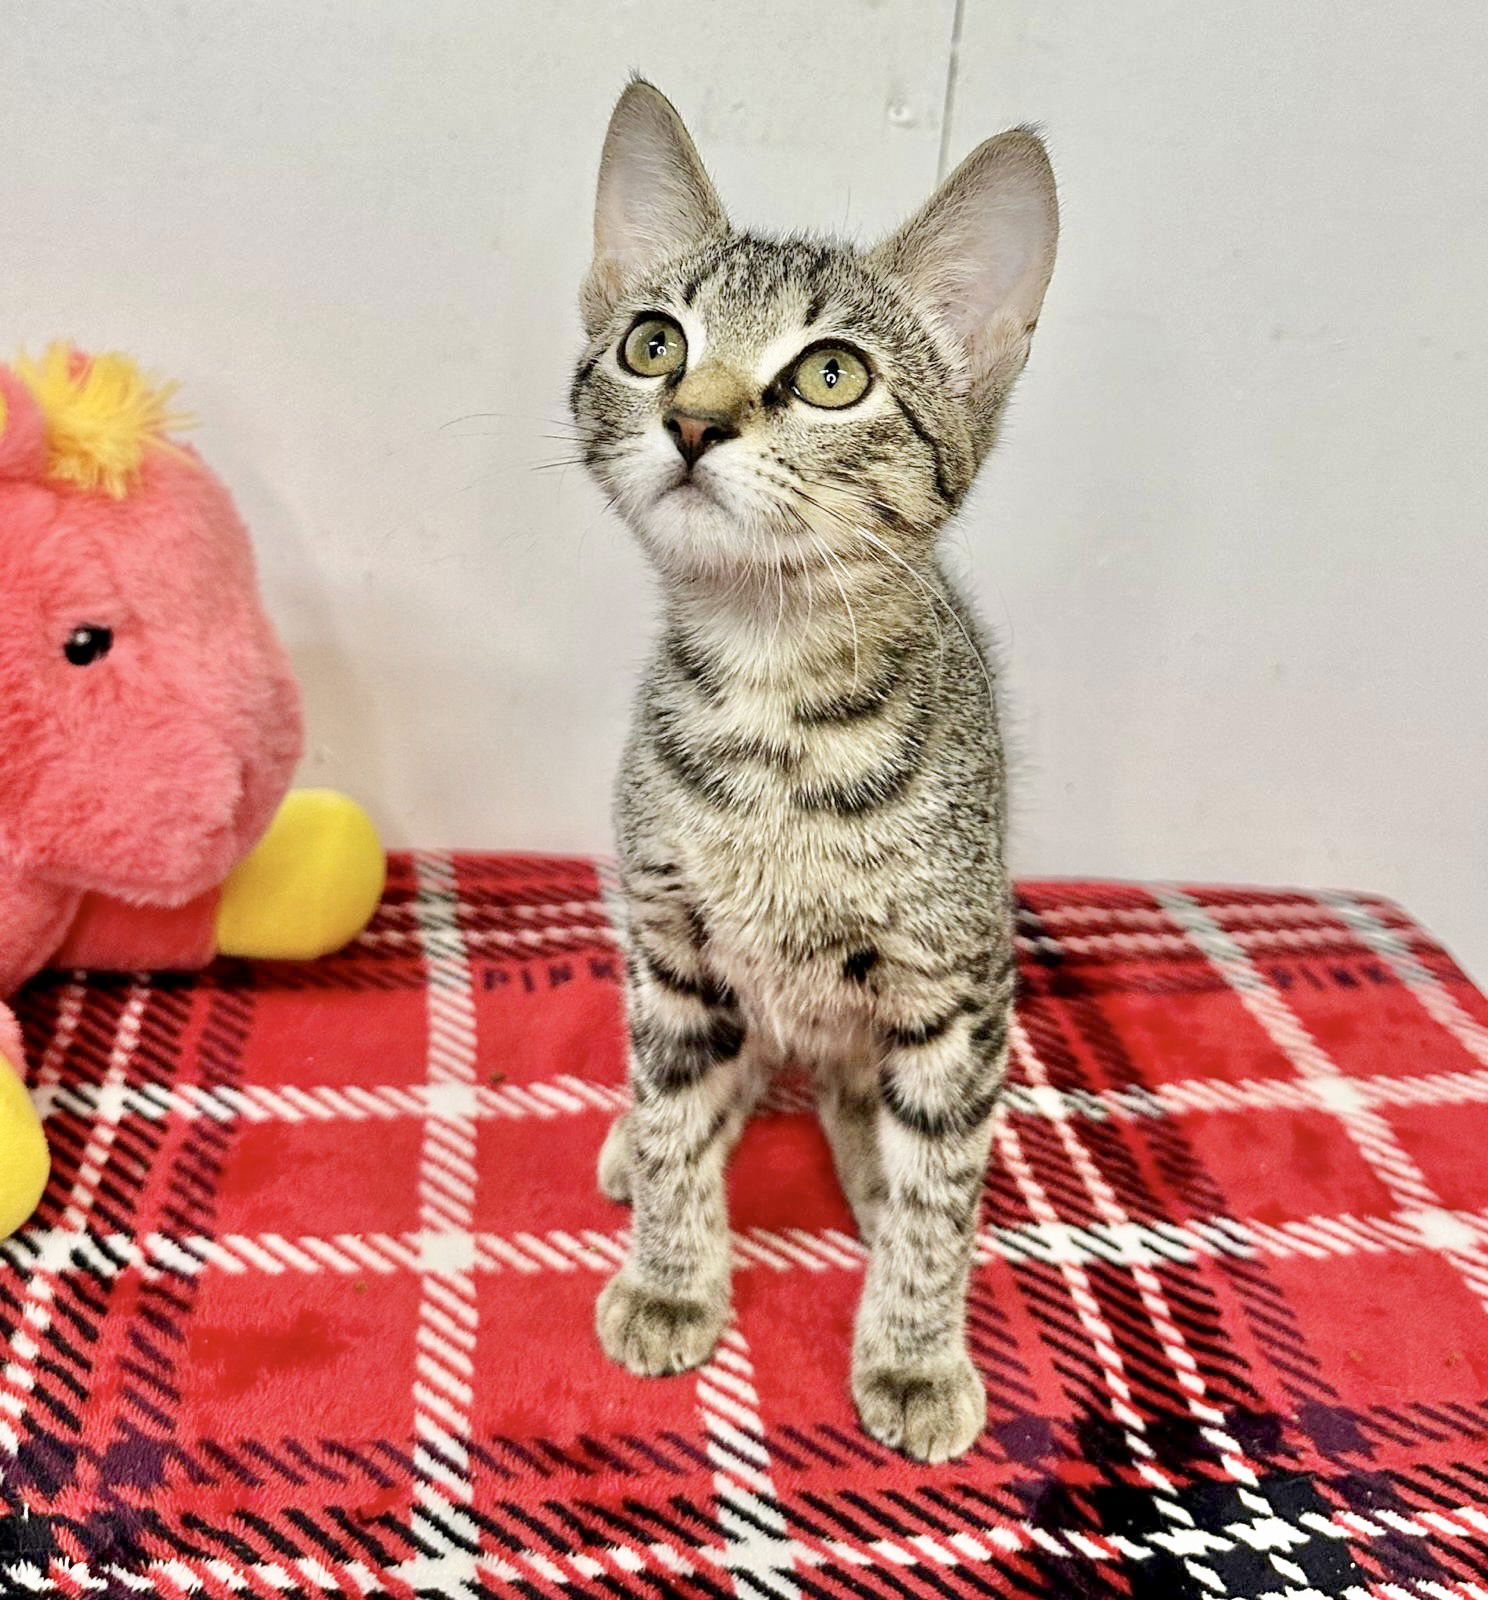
[{"x": 102, "y": 413}]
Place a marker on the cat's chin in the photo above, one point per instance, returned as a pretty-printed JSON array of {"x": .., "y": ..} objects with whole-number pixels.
[
  {"x": 689, "y": 492},
  {"x": 694, "y": 532},
  {"x": 688, "y": 528}
]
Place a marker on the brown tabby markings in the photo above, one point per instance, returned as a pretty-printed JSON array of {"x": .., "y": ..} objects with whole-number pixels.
[{"x": 811, "y": 805}]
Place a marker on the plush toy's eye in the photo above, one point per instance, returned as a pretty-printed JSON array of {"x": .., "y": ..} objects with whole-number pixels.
[
  {"x": 654, "y": 347},
  {"x": 831, "y": 375},
  {"x": 88, "y": 643}
]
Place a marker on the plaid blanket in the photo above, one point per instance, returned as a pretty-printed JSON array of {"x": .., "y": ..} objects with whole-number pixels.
[{"x": 308, "y": 1307}]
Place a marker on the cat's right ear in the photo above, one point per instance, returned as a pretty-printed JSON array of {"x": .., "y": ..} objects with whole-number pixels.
[
  {"x": 978, "y": 256},
  {"x": 654, "y": 200}
]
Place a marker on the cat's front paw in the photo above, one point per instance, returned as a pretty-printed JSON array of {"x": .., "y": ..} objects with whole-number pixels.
[
  {"x": 654, "y": 1334},
  {"x": 929, "y": 1414}
]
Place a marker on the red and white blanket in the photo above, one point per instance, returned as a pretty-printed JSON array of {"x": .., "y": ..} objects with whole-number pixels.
[{"x": 308, "y": 1306}]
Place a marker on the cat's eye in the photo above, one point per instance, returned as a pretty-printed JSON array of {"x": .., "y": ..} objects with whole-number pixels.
[
  {"x": 654, "y": 348},
  {"x": 88, "y": 643},
  {"x": 831, "y": 375}
]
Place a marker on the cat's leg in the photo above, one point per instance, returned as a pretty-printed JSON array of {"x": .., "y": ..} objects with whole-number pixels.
[
  {"x": 664, "y": 1310},
  {"x": 941, "y": 1074},
  {"x": 614, "y": 1161},
  {"x": 848, "y": 1103},
  {"x": 616, "y": 1181}
]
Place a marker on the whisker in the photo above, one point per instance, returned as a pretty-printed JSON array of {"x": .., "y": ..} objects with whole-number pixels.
[
  {"x": 779, "y": 610},
  {"x": 945, "y": 604},
  {"x": 834, "y": 566},
  {"x": 936, "y": 598},
  {"x": 508, "y": 416},
  {"x": 838, "y": 570}
]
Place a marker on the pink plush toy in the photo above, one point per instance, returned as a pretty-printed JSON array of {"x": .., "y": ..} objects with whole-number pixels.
[{"x": 149, "y": 721}]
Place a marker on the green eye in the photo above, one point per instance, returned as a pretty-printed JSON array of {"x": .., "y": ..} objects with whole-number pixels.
[
  {"x": 831, "y": 375},
  {"x": 654, "y": 347}
]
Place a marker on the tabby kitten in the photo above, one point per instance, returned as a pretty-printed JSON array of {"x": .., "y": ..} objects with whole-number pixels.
[{"x": 811, "y": 806}]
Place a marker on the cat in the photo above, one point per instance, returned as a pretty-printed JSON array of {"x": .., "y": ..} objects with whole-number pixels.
[{"x": 810, "y": 809}]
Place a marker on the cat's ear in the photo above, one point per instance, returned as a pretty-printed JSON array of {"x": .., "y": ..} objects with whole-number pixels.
[
  {"x": 654, "y": 200},
  {"x": 979, "y": 255}
]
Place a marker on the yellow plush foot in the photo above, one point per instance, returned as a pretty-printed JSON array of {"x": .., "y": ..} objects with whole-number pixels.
[
  {"x": 310, "y": 885},
  {"x": 24, "y": 1162}
]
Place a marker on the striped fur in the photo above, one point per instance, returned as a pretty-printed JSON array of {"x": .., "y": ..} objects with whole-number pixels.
[{"x": 811, "y": 806}]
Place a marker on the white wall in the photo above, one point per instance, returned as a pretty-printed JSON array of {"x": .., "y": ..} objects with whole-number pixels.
[{"x": 1234, "y": 540}]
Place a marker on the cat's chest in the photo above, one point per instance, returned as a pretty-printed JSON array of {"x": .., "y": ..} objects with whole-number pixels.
[
  {"x": 780, "y": 914},
  {"x": 787, "y": 864},
  {"x": 762, "y": 804},
  {"x": 751, "y": 770},
  {"x": 782, "y": 958},
  {"x": 782, "y": 888}
]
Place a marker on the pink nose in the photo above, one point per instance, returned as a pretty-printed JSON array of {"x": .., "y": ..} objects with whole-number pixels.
[{"x": 693, "y": 432}]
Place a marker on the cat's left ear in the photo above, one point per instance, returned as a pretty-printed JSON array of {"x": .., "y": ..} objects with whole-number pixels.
[
  {"x": 654, "y": 199},
  {"x": 979, "y": 254}
]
